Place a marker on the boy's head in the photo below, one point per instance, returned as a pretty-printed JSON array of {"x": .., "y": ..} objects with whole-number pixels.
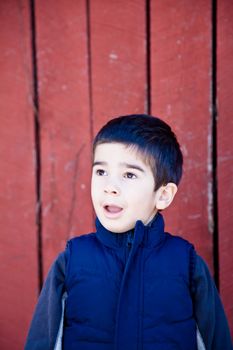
[
  {"x": 154, "y": 140},
  {"x": 137, "y": 165}
]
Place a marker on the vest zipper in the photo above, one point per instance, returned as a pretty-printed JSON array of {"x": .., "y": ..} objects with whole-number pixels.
[
  {"x": 130, "y": 248},
  {"x": 129, "y": 243}
]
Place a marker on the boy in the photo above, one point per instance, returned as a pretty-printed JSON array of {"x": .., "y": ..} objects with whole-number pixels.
[{"x": 130, "y": 285}]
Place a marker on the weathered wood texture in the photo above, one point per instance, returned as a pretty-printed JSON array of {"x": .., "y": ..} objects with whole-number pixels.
[
  {"x": 18, "y": 243},
  {"x": 65, "y": 123},
  {"x": 180, "y": 88},
  {"x": 118, "y": 59},
  {"x": 95, "y": 60},
  {"x": 225, "y": 157}
]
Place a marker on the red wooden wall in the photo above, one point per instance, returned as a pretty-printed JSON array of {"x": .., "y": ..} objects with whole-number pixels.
[
  {"x": 225, "y": 158},
  {"x": 18, "y": 242},
  {"x": 66, "y": 68}
]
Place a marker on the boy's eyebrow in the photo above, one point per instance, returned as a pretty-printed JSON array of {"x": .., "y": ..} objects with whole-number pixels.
[
  {"x": 133, "y": 166},
  {"x": 99, "y": 163},
  {"x": 127, "y": 165}
]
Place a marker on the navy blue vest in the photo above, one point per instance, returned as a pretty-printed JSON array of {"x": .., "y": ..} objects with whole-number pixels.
[{"x": 129, "y": 291}]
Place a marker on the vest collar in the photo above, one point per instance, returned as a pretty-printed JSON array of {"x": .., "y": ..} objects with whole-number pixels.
[{"x": 146, "y": 235}]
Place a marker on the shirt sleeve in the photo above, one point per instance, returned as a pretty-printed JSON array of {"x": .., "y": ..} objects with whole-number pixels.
[
  {"x": 46, "y": 319},
  {"x": 208, "y": 309}
]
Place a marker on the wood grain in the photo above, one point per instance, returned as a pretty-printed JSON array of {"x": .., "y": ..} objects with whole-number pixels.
[
  {"x": 225, "y": 146},
  {"x": 18, "y": 244},
  {"x": 180, "y": 84},
  {"x": 65, "y": 123}
]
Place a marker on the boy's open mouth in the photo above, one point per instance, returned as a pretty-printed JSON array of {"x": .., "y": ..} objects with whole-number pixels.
[{"x": 113, "y": 209}]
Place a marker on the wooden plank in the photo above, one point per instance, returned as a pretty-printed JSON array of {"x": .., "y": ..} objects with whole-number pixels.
[
  {"x": 118, "y": 57},
  {"x": 180, "y": 88},
  {"x": 225, "y": 158},
  {"x": 18, "y": 245},
  {"x": 64, "y": 123}
]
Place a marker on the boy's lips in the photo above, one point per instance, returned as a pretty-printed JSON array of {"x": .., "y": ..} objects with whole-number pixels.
[{"x": 112, "y": 209}]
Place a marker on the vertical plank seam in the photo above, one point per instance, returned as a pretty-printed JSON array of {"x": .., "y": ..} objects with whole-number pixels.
[
  {"x": 148, "y": 56},
  {"x": 89, "y": 65},
  {"x": 37, "y": 144},
  {"x": 214, "y": 144},
  {"x": 74, "y": 195},
  {"x": 90, "y": 81}
]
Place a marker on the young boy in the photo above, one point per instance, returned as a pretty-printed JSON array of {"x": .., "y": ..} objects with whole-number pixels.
[{"x": 130, "y": 285}]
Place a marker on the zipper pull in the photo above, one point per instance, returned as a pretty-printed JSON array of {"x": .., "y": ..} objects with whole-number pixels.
[{"x": 130, "y": 239}]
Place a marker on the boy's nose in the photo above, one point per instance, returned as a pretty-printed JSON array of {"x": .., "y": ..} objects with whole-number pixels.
[{"x": 112, "y": 189}]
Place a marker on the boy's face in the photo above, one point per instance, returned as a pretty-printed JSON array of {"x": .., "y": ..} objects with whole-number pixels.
[{"x": 122, "y": 187}]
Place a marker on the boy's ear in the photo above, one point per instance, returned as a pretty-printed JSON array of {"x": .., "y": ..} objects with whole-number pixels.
[{"x": 165, "y": 195}]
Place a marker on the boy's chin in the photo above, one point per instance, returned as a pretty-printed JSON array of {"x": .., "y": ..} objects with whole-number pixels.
[{"x": 116, "y": 227}]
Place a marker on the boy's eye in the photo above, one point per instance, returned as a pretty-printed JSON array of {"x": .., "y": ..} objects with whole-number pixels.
[
  {"x": 129, "y": 175},
  {"x": 101, "y": 172}
]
